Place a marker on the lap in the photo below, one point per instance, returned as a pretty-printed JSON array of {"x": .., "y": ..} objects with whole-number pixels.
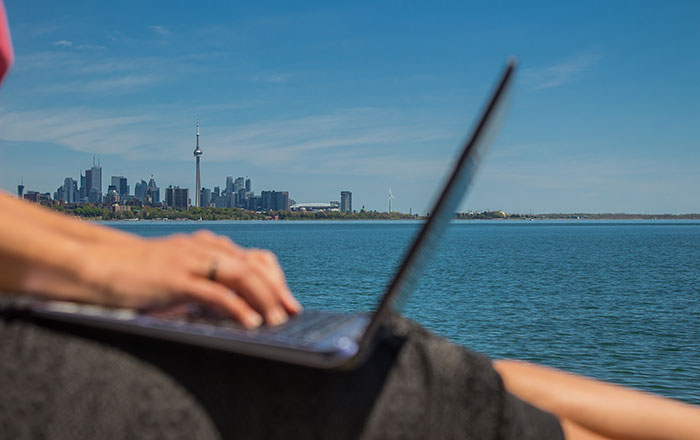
[{"x": 58, "y": 383}]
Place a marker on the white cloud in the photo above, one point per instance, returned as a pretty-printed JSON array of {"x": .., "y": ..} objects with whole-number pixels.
[
  {"x": 77, "y": 129},
  {"x": 558, "y": 74},
  {"x": 342, "y": 142},
  {"x": 65, "y": 43},
  {"x": 160, "y": 30}
]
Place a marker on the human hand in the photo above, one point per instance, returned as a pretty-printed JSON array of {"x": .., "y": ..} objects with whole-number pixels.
[{"x": 247, "y": 284}]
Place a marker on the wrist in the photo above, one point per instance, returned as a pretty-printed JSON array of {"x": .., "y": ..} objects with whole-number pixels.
[{"x": 63, "y": 273}]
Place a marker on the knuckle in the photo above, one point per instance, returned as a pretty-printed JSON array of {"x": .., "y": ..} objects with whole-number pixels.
[
  {"x": 205, "y": 234},
  {"x": 224, "y": 241}
]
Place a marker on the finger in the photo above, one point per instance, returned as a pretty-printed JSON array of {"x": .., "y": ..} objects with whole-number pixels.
[
  {"x": 262, "y": 284},
  {"x": 221, "y": 298},
  {"x": 269, "y": 269},
  {"x": 219, "y": 242},
  {"x": 236, "y": 273},
  {"x": 254, "y": 289}
]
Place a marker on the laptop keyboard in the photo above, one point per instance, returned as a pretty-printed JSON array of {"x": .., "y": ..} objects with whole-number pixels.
[
  {"x": 309, "y": 327},
  {"x": 305, "y": 329}
]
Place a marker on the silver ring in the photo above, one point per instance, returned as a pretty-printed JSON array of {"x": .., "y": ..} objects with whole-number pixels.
[{"x": 213, "y": 266}]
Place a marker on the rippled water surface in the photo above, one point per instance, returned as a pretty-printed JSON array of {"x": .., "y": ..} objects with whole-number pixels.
[{"x": 614, "y": 300}]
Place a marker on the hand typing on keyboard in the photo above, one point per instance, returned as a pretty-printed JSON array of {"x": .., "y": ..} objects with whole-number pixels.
[
  {"x": 246, "y": 284},
  {"x": 52, "y": 256}
]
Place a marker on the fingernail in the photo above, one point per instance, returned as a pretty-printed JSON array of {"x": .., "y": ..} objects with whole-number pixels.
[
  {"x": 277, "y": 317},
  {"x": 254, "y": 320}
]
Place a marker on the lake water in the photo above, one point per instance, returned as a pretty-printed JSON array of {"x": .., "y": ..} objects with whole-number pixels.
[{"x": 615, "y": 300}]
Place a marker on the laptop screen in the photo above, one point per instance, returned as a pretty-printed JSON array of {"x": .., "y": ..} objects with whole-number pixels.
[{"x": 457, "y": 185}]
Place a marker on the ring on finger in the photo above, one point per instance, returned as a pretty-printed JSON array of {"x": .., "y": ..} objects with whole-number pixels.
[{"x": 213, "y": 267}]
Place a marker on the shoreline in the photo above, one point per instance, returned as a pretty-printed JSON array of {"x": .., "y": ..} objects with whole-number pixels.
[
  {"x": 150, "y": 213},
  {"x": 187, "y": 220}
]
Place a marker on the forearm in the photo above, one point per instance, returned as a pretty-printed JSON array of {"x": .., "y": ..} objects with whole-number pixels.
[
  {"x": 609, "y": 410},
  {"x": 39, "y": 217},
  {"x": 39, "y": 262}
]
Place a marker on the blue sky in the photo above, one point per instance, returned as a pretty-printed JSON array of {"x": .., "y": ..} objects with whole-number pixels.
[{"x": 319, "y": 97}]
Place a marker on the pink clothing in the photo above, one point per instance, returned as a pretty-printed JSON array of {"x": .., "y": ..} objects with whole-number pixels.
[{"x": 6, "y": 55}]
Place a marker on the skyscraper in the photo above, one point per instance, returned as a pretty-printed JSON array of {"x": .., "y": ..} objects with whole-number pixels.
[
  {"x": 140, "y": 190},
  {"x": 238, "y": 184},
  {"x": 121, "y": 184},
  {"x": 274, "y": 200},
  {"x": 83, "y": 188},
  {"x": 20, "y": 190},
  {"x": 93, "y": 178},
  {"x": 177, "y": 197},
  {"x": 197, "y": 155},
  {"x": 205, "y": 198},
  {"x": 346, "y": 201},
  {"x": 153, "y": 192},
  {"x": 70, "y": 191}
]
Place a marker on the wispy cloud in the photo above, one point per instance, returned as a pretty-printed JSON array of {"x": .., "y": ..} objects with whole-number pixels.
[
  {"x": 341, "y": 142},
  {"x": 556, "y": 75},
  {"x": 271, "y": 77},
  {"x": 116, "y": 84},
  {"x": 159, "y": 30},
  {"x": 77, "y": 129},
  {"x": 102, "y": 71},
  {"x": 65, "y": 43}
]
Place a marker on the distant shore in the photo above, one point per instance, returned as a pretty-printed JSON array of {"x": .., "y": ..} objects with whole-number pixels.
[{"x": 139, "y": 213}]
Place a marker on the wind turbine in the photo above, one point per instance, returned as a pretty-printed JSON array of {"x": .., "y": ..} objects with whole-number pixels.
[{"x": 391, "y": 197}]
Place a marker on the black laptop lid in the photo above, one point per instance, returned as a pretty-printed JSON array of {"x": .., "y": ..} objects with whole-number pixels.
[{"x": 457, "y": 185}]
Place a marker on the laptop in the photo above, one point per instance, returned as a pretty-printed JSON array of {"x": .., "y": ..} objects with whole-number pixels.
[{"x": 314, "y": 338}]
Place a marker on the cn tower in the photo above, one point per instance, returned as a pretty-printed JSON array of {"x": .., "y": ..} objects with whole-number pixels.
[{"x": 197, "y": 154}]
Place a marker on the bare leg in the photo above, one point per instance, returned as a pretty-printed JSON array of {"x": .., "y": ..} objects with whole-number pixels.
[{"x": 598, "y": 409}]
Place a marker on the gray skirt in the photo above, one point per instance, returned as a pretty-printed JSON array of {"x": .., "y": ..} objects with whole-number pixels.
[{"x": 61, "y": 382}]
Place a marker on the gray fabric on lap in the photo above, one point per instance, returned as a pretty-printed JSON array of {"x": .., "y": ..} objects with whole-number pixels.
[{"x": 74, "y": 383}]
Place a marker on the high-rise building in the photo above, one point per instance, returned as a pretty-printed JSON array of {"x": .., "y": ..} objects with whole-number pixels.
[
  {"x": 20, "y": 190},
  {"x": 229, "y": 184},
  {"x": 205, "y": 197},
  {"x": 153, "y": 192},
  {"x": 238, "y": 184},
  {"x": 176, "y": 197},
  {"x": 140, "y": 190},
  {"x": 346, "y": 201},
  {"x": 94, "y": 196},
  {"x": 70, "y": 192},
  {"x": 255, "y": 203},
  {"x": 112, "y": 195},
  {"x": 274, "y": 200},
  {"x": 281, "y": 201},
  {"x": 83, "y": 188},
  {"x": 32, "y": 196},
  {"x": 58, "y": 195},
  {"x": 248, "y": 185},
  {"x": 197, "y": 155},
  {"x": 93, "y": 180},
  {"x": 266, "y": 200},
  {"x": 121, "y": 185},
  {"x": 97, "y": 179},
  {"x": 88, "y": 182}
]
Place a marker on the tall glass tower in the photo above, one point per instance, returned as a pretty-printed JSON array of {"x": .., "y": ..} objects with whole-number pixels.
[{"x": 197, "y": 155}]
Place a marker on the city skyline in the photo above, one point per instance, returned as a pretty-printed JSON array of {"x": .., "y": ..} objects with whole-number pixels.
[
  {"x": 234, "y": 193},
  {"x": 317, "y": 99}
]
